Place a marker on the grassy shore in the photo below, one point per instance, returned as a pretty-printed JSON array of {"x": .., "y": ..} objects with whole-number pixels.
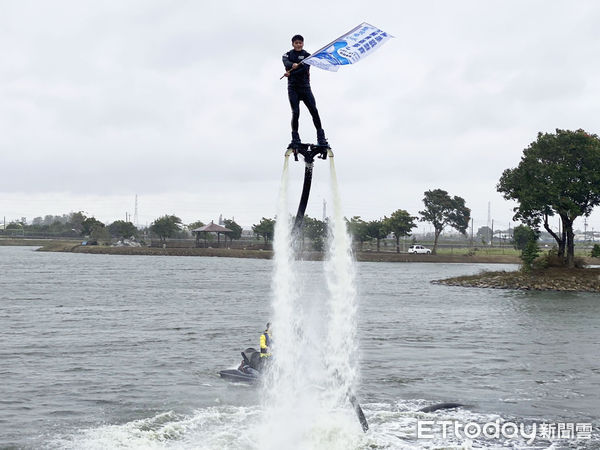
[
  {"x": 57, "y": 243},
  {"x": 492, "y": 256},
  {"x": 58, "y": 246}
]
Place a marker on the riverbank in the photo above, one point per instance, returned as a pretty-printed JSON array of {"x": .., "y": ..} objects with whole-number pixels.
[
  {"x": 551, "y": 279},
  {"x": 58, "y": 246}
]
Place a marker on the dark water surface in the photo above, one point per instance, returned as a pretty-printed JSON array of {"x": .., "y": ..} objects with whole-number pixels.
[{"x": 103, "y": 351}]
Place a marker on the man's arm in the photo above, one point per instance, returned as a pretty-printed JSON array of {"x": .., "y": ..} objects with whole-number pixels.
[
  {"x": 289, "y": 65},
  {"x": 286, "y": 62}
]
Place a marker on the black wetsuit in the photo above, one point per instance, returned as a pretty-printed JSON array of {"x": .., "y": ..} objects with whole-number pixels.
[{"x": 299, "y": 87}]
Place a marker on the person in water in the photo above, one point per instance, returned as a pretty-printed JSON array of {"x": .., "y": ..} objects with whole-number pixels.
[
  {"x": 265, "y": 342},
  {"x": 298, "y": 76}
]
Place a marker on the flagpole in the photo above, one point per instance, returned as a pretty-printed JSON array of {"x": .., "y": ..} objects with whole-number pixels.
[{"x": 330, "y": 44}]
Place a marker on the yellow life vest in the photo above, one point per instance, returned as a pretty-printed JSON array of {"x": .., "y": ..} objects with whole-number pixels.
[{"x": 264, "y": 348}]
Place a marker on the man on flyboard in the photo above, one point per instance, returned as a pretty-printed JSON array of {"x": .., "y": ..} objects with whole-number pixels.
[{"x": 298, "y": 76}]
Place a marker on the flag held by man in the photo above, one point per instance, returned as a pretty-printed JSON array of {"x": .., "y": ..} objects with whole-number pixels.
[{"x": 349, "y": 48}]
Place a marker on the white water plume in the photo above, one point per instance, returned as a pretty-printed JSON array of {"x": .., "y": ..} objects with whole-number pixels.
[
  {"x": 312, "y": 368},
  {"x": 284, "y": 296},
  {"x": 287, "y": 398},
  {"x": 341, "y": 353}
]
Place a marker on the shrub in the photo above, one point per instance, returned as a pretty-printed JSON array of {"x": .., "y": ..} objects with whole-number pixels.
[
  {"x": 551, "y": 259},
  {"x": 596, "y": 251},
  {"x": 529, "y": 254}
]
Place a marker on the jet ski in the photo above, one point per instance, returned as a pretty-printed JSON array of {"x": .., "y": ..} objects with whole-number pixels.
[{"x": 248, "y": 370}]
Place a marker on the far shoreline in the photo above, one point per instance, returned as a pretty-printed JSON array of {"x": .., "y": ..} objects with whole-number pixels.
[
  {"x": 364, "y": 256},
  {"x": 552, "y": 279}
]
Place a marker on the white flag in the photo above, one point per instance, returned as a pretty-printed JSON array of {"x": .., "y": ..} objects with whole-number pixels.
[{"x": 350, "y": 48}]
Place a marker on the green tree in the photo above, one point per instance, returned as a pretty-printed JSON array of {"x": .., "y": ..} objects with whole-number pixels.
[
  {"x": 358, "y": 230},
  {"x": 400, "y": 223},
  {"x": 89, "y": 225},
  {"x": 559, "y": 174},
  {"x": 596, "y": 251},
  {"x": 265, "y": 229},
  {"x": 199, "y": 224},
  {"x": 195, "y": 225},
  {"x": 442, "y": 210},
  {"x": 166, "y": 226},
  {"x": 14, "y": 226},
  {"x": 316, "y": 231},
  {"x": 522, "y": 235},
  {"x": 100, "y": 234},
  {"x": 207, "y": 237},
  {"x": 75, "y": 221},
  {"x": 60, "y": 227},
  {"x": 233, "y": 226},
  {"x": 122, "y": 229},
  {"x": 377, "y": 229}
]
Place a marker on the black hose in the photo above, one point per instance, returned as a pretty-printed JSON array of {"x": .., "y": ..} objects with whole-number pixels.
[{"x": 308, "y": 169}]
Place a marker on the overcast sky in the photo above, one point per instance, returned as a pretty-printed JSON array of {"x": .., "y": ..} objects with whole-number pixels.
[{"x": 181, "y": 103}]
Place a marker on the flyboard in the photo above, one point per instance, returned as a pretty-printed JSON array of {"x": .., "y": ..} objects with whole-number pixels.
[{"x": 309, "y": 152}]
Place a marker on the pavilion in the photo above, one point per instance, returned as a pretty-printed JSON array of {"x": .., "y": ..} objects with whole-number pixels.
[{"x": 210, "y": 228}]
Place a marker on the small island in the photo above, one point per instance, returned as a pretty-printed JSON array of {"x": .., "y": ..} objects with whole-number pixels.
[{"x": 550, "y": 279}]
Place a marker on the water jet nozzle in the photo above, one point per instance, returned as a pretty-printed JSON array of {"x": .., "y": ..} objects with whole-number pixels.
[{"x": 310, "y": 151}]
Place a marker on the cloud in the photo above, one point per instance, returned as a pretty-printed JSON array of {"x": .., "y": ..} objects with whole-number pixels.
[{"x": 182, "y": 104}]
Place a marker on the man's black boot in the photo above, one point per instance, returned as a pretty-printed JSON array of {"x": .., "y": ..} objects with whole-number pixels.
[
  {"x": 295, "y": 140},
  {"x": 321, "y": 139}
]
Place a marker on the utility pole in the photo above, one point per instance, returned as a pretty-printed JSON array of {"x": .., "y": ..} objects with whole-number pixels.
[
  {"x": 135, "y": 214},
  {"x": 489, "y": 221},
  {"x": 324, "y": 210},
  {"x": 472, "y": 232}
]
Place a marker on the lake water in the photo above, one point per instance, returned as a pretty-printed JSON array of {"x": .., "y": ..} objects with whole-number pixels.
[{"x": 101, "y": 351}]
